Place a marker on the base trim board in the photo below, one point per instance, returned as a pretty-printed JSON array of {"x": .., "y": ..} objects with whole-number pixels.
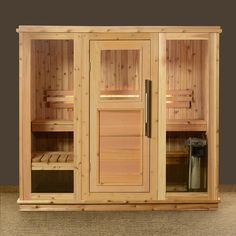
[{"x": 120, "y": 207}]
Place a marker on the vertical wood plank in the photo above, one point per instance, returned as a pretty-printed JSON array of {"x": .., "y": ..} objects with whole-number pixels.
[
  {"x": 94, "y": 114},
  {"x": 143, "y": 64},
  {"x": 77, "y": 114},
  {"x": 85, "y": 116},
  {"x": 217, "y": 35},
  {"x": 21, "y": 162},
  {"x": 205, "y": 84},
  {"x": 33, "y": 87},
  {"x": 213, "y": 117},
  {"x": 162, "y": 118},
  {"x": 154, "y": 158},
  {"x": 71, "y": 74},
  {"x": 65, "y": 72},
  {"x": 26, "y": 116}
]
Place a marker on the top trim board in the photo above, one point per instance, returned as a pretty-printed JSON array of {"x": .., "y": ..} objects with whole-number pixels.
[{"x": 118, "y": 29}]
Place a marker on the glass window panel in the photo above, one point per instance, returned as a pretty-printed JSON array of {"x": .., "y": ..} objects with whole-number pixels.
[
  {"x": 120, "y": 74},
  {"x": 186, "y": 139}
]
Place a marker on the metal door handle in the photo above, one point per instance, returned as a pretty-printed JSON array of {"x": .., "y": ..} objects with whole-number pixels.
[{"x": 148, "y": 92}]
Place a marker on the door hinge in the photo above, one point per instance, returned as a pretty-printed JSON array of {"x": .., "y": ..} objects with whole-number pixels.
[
  {"x": 89, "y": 166},
  {"x": 90, "y": 66}
]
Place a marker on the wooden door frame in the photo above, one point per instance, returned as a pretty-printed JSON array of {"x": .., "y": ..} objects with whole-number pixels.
[
  {"x": 211, "y": 116},
  {"x": 86, "y": 194},
  {"x": 26, "y": 88}
]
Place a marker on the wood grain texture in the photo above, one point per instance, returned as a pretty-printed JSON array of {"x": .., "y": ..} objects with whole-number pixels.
[
  {"x": 118, "y": 29},
  {"x": 65, "y": 76},
  {"x": 213, "y": 127},
  {"x": 21, "y": 157},
  {"x": 77, "y": 119},
  {"x": 52, "y": 125},
  {"x": 119, "y": 118},
  {"x": 120, "y": 72},
  {"x": 146, "y": 207},
  {"x": 161, "y": 167},
  {"x": 25, "y": 118},
  {"x": 52, "y": 72},
  {"x": 53, "y": 141},
  {"x": 120, "y": 147},
  {"x": 154, "y": 142},
  {"x": 185, "y": 60}
]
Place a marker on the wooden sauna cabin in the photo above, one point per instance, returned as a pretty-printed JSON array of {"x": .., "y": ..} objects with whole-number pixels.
[{"x": 119, "y": 118}]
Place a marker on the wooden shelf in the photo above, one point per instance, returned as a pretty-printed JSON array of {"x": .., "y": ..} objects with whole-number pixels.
[
  {"x": 186, "y": 125},
  {"x": 52, "y": 160},
  {"x": 176, "y": 158},
  {"x": 52, "y": 125},
  {"x": 177, "y": 154}
]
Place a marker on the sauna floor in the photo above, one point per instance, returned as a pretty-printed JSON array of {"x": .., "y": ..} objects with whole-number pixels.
[{"x": 220, "y": 222}]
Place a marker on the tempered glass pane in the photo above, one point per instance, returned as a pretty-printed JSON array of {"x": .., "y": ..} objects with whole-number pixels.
[
  {"x": 186, "y": 160},
  {"x": 120, "y": 74},
  {"x": 186, "y": 139},
  {"x": 186, "y": 61},
  {"x": 120, "y": 148},
  {"x": 52, "y": 67},
  {"x": 52, "y": 181}
]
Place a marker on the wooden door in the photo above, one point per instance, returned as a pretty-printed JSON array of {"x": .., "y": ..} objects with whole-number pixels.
[
  {"x": 50, "y": 116},
  {"x": 188, "y": 91},
  {"x": 119, "y": 146}
]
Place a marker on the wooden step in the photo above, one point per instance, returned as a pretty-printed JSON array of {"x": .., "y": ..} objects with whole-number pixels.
[
  {"x": 186, "y": 125},
  {"x": 176, "y": 158},
  {"x": 177, "y": 154},
  {"x": 52, "y": 160},
  {"x": 52, "y": 126}
]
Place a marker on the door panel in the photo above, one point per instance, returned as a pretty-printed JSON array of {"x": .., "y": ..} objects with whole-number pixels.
[
  {"x": 119, "y": 151},
  {"x": 120, "y": 147}
]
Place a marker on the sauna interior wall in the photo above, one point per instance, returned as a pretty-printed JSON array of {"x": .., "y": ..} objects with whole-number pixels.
[
  {"x": 51, "y": 69},
  {"x": 52, "y": 141},
  {"x": 186, "y": 70},
  {"x": 120, "y": 72}
]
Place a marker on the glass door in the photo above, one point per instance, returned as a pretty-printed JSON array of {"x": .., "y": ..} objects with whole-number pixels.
[
  {"x": 52, "y": 124},
  {"x": 119, "y": 116},
  {"x": 50, "y": 110},
  {"x": 187, "y": 118}
]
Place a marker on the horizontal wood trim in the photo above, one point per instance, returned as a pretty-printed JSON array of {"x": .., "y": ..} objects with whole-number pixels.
[
  {"x": 48, "y": 198},
  {"x": 133, "y": 207},
  {"x": 15, "y": 188},
  {"x": 187, "y": 36},
  {"x": 120, "y": 29}
]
